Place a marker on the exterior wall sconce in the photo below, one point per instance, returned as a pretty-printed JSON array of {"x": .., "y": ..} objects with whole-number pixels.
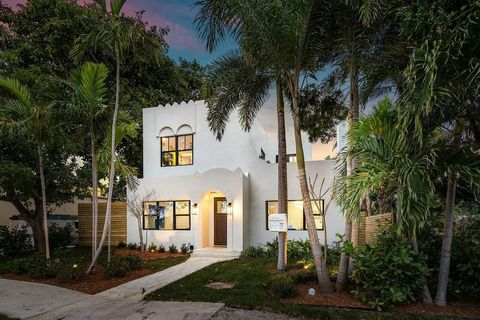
[
  {"x": 229, "y": 208},
  {"x": 195, "y": 209}
]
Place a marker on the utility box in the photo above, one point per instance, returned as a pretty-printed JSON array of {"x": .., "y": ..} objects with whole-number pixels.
[{"x": 277, "y": 222}]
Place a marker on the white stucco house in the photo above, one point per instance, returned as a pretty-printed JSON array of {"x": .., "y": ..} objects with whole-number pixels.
[{"x": 216, "y": 195}]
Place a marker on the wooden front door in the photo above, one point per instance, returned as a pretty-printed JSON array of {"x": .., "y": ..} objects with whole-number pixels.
[{"x": 220, "y": 221}]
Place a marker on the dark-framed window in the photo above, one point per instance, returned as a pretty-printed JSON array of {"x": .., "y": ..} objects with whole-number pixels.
[
  {"x": 296, "y": 214},
  {"x": 167, "y": 215},
  {"x": 176, "y": 150},
  {"x": 291, "y": 157}
]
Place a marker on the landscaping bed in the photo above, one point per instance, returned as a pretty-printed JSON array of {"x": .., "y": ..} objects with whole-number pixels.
[
  {"x": 250, "y": 278},
  {"x": 103, "y": 278}
]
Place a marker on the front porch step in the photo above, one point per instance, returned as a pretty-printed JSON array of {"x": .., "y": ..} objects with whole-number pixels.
[{"x": 215, "y": 253}]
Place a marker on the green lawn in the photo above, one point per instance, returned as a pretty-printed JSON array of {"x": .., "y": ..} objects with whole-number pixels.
[
  {"x": 4, "y": 317},
  {"x": 249, "y": 276},
  {"x": 158, "y": 265}
]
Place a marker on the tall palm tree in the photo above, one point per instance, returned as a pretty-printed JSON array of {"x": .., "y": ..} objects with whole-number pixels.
[
  {"x": 88, "y": 103},
  {"x": 236, "y": 84},
  {"x": 288, "y": 36},
  {"x": 116, "y": 36},
  {"x": 34, "y": 121}
]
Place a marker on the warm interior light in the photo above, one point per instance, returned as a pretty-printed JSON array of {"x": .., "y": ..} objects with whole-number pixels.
[
  {"x": 75, "y": 265},
  {"x": 229, "y": 208},
  {"x": 195, "y": 209}
]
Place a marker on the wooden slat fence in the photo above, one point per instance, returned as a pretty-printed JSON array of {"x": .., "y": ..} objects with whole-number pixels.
[{"x": 119, "y": 222}]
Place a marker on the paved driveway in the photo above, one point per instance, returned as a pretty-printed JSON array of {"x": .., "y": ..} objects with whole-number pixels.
[{"x": 28, "y": 300}]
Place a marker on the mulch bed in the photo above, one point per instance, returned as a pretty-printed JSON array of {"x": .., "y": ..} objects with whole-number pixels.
[
  {"x": 96, "y": 282},
  {"x": 467, "y": 309},
  {"x": 91, "y": 284},
  {"x": 147, "y": 255}
]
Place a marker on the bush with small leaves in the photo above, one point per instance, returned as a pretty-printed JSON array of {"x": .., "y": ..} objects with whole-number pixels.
[
  {"x": 389, "y": 272},
  {"x": 152, "y": 247},
  {"x": 121, "y": 245},
  {"x": 116, "y": 268},
  {"x": 161, "y": 248},
  {"x": 282, "y": 285},
  {"x": 132, "y": 262},
  {"x": 132, "y": 245},
  {"x": 14, "y": 242},
  {"x": 173, "y": 248},
  {"x": 184, "y": 248}
]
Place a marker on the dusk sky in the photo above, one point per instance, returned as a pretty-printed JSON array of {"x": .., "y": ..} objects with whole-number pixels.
[{"x": 178, "y": 15}]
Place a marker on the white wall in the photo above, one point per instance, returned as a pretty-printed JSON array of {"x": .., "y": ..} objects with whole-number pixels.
[{"x": 238, "y": 153}]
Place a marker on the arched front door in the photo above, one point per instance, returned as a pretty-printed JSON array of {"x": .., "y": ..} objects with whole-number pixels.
[{"x": 220, "y": 221}]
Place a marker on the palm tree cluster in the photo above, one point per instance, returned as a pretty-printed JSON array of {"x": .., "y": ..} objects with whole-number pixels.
[
  {"x": 83, "y": 105},
  {"x": 424, "y": 55}
]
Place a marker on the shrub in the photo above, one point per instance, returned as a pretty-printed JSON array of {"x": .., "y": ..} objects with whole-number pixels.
[
  {"x": 120, "y": 266},
  {"x": 116, "y": 268},
  {"x": 184, "y": 248},
  {"x": 172, "y": 248},
  {"x": 389, "y": 272},
  {"x": 59, "y": 237},
  {"x": 161, "y": 248},
  {"x": 132, "y": 245},
  {"x": 254, "y": 252},
  {"x": 271, "y": 248},
  {"x": 122, "y": 244},
  {"x": 35, "y": 266},
  {"x": 70, "y": 272},
  {"x": 132, "y": 262},
  {"x": 14, "y": 243},
  {"x": 304, "y": 275},
  {"x": 152, "y": 247},
  {"x": 282, "y": 285}
]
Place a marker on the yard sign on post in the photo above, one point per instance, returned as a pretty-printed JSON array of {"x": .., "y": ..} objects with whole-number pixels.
[{"x": 277, "y": 222}]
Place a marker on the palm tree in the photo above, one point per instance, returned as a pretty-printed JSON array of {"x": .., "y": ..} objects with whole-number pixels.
[
  {"x": 236, "y": 84},
  {"x": 288, "y": 36},
  {"x": 32, "y": 120},
  {"x": 88, "y": 103},
  {"x": 117, "y": 36}
]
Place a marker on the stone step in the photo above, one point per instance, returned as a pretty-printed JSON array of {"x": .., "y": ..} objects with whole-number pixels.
[{"x": 215, "y": 253}]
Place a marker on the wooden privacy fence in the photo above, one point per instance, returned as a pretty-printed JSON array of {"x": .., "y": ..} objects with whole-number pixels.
[
  {"x": 119, "y": 222},
  {"x": 375, "y": 224}
]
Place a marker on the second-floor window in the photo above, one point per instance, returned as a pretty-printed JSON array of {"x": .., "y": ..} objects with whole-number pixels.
[{"x": 177, "y": 150}]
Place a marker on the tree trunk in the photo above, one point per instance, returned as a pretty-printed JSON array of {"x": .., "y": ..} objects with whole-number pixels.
[
  {"x": 282, "y": 177},
  {"x": 111, "y": 177},
  {"x": 140, "y": 232},
  {"x": 346, "y": 263},
  {"x": 442, "y": 286},
  {"x": 94, "y": 195},
  {"x": 44, "y": 201},
  {"x": 320, "y": 263}
]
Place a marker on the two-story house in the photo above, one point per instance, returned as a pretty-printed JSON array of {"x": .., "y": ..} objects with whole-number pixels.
[{"x": 216, "y": 195}]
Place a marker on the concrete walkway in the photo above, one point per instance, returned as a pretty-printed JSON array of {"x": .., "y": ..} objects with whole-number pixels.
[
  {"x": 140, "y": 287},
  {"x": 28, "y": 300}
]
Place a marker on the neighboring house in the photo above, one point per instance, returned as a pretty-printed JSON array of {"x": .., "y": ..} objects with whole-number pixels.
[{"x": 217, "y": 194}]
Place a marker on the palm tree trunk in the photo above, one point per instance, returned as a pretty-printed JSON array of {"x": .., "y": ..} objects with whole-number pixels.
[
  {"x": 441, "y": 296},
  {"x": 345, "y": 264},
  {"x": 318, "y": 257},
  {"x": 111, "y": 177},
  {"x": 94, "y": 195},
  {"x": 44, "y": 201},
  {"x": 282, "y": 177}
]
